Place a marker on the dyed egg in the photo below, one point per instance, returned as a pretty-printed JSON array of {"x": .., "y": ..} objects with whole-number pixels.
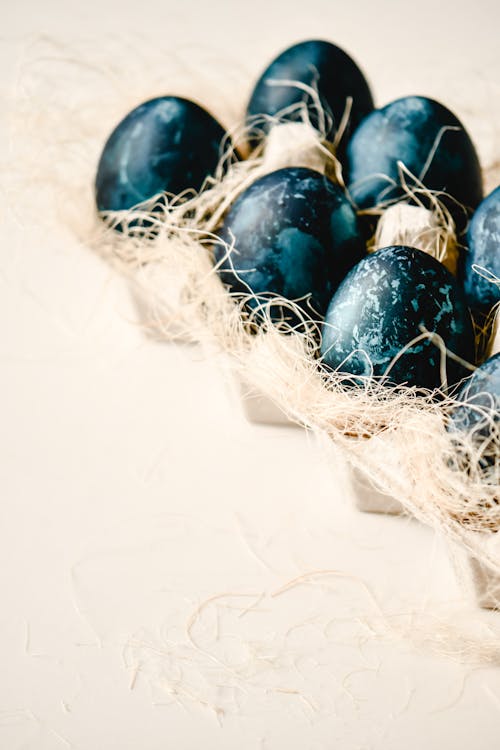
[
  {"x": 167, "y": 144},
  {"x": 295, "y": 235},
  {"x": 479, "y": 409},
  {"x": 313, "y": 63},
  {"x": 483, "y": 240},
  {"x": 428, "y": 139},
  {"x": 383, "y": 305}
]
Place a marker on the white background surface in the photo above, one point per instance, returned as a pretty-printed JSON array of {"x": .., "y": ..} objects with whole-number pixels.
[{"x": 133, "y": 491}]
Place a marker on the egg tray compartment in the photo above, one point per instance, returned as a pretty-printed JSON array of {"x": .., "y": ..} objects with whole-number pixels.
[
  {"x": 157, "y": 299},
  {"x": 481, "y": 583},
  {"x": 155, "y": 324},
  {"x": 257, "y": 407}
]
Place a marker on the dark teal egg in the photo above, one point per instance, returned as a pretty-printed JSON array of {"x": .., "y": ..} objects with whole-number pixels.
[
  {"x": 483, "y": 252},
  {"x": 428, "y": 139},
  {"x": 167, "y": 145},
  {"x": 478, "y": 412},
  {"x": 385, "y": 303},
  {"x": 295, "y": 235},
  {"x": 314, "y": 63}
]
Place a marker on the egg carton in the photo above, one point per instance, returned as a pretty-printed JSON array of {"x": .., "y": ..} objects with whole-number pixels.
[
  {"x": 258, "y": 408},
  {"x": 480, "y": 582},
  {"x": 369, "y": 498},
  {"x": 156, "y": 296}
]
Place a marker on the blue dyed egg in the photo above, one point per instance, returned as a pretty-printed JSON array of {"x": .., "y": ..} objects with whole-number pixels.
[
  {"x": 295, "y": 235},
  {"x": 314, "y": 63},
  {"x": 429, "y": 140},
  {"x": 483, "y": 240},
  {"x": 479, "y": 410},
  {"x": 382, "y": 306},
  {"x": 167, "y": 144}
]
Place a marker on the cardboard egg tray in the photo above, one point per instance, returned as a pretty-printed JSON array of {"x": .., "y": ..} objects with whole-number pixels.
[
  {"x": 150, "y": 320},
  {"x": 150, "y": 297},
  {"x": 258, "y": 408}
]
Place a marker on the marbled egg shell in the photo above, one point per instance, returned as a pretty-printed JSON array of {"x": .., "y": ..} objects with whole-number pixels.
[
  {"x": 166, "y": 144},
  {"x": 429, "y": 140},
  {"x": 295, "y": 235},
  {"x": 479, "y": 410},
  {"x": 381, "y": 307},
  {"x": 483, "y": 241},
  {"x": 318, "y": 63}
]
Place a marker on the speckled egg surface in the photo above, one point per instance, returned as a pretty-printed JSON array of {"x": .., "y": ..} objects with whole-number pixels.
[
  {"x": 483, "y": 241},
  {"x": 381, "y": 307},
  {"x": 166, "y": 144},
  {"x": 430, "y": 141},
  {"x": 313, "y": 62},
  {"x": 481, "y": 389},
  {"x": 295, "y": 235},
  {"x": 479, "y": 410}
]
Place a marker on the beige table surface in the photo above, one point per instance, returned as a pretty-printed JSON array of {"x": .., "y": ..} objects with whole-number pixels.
[{"x": 147, "y": 531}]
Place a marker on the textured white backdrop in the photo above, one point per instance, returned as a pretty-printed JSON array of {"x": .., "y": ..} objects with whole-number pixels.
[{"x": 147, "y": 531}]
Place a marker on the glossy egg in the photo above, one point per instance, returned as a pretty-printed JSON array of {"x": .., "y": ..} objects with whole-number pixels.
[
  {"x": 382, "y": 305},
  {"x": 311, "y": 63},
  {"x": 479, "y": 409},
  {"x": 295, "y": 235},
  {"x": 166, "y": 144},
  {"x": 483, "y": 241},
  {"x": 428, "y": 139}
]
